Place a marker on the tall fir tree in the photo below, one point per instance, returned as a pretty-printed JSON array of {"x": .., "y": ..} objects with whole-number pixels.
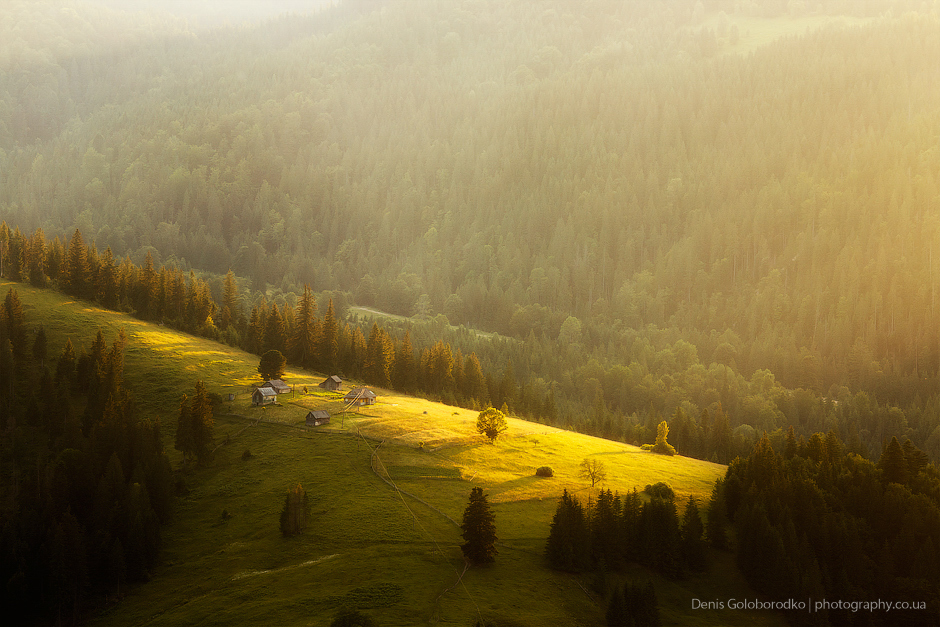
[
  {"x": 329, "y": 339},
  {"x": 303, "y": 348},
  {"x": 479, "y": 530}
]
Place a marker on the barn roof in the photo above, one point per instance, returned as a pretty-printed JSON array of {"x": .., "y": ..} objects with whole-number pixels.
[
  {"x": 266, "y": 391},
  {"x": 318, "y": 414},
  {"x": 359, "y": 392}
]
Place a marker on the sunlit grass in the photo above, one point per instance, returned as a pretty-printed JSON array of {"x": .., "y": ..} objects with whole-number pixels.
[{"x": 365, "y": 541}]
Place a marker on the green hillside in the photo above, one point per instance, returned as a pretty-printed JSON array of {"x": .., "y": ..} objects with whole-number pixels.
[{"x": 368, "y": 545}]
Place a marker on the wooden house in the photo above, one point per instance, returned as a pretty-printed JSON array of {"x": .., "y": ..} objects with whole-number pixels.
[
  {"x": 317, "y": 417},
  {"x": 278, "y": 386},
  {"x": 360, "y": 397},
  {"x": 263, "y": 396},
  {"x": 332, "y": 383}
]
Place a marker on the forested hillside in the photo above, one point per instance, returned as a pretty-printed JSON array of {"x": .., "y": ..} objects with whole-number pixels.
[{"x": 662, "y": 219}]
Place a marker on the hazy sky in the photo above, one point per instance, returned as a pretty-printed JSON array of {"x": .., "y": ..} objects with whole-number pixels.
[{"x": 209, "y": 13}]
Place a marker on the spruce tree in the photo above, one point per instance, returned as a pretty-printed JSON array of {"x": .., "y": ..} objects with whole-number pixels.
[
  {"x": 692, "y": 544},
  {"x": 329, "y": 340},
  {"x": 202, "y": 422},
  {"x": 185, "y": 441},
  {"x": 303, "y": 348},
  {"x": 479, "y": 530}
]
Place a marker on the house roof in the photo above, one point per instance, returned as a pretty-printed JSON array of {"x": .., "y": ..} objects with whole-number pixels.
[
  {"x": 359, "y": 392},
  {"x": 277, "y": 383},
  {"x": 335, "y": 378},
  {"x": 318, "y": 414},
  {"x": 266, "y": 391}
]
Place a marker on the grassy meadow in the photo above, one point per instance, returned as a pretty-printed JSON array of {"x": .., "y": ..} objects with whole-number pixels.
[{"x": 368, "y": 546}]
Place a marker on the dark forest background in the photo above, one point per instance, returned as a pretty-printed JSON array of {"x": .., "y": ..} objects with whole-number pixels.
[{"x": 658, "y": 219}]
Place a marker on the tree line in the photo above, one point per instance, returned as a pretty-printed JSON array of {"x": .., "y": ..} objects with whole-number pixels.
[
  {"x": 307, "y": 340},
  {"x": 812, "y": 520},
  {"x": 87, "y": 483}
]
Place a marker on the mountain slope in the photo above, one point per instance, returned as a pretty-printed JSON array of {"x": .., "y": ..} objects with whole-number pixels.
[{"x": 367, "y": 545}]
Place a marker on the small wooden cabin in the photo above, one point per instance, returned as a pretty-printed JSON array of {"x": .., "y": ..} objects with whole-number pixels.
[
  {"x": 317, "y": 417},
  {"x": 360, "y": 397},
  {"x": 263, "y": 396},
  {"x": 278, "y": 386},
  {"x": 332, "y": 383}
]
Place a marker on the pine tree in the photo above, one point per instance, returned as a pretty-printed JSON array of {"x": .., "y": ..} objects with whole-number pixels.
[
  {"x": 76, "y": 266},
  {"x": 37, "y": 259},
  {"x": 479, "y": 530},
  {"x": 202, "y": 422},
  {"x": 717, "y": 518},
  {"x": 185, "y": 439},
  {"x": 380, "y": 356},
  {"x": 303, "y": 349},
  {"x": 693, "y": 547},
  {"x": 329, "y": 340},
  {"x": 107, "y": 287},
  {"x": 404, "y": 370},
  {"x": 893, "y": 466},
  {"x": 275, "y": 337},
  {"x": 15, "y": 322},
  {"x": 474, "y": 381},
  {"x": 230, "y": 312},
  {"x": 40, "y": 347},
  {"x": 65, "y": 367},
  {"x": 568, "y": 539}
]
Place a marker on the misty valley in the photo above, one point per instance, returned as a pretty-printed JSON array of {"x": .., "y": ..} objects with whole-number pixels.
[{"x": 532, "y": 312}]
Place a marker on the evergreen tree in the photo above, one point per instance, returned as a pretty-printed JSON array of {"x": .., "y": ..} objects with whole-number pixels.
[
  {"x": 474, "y": 381},
  {"x": 230, "y": 310},
  {"x": 691, "y": 531},
  {"x": 275, "y": 337},
  {"x": 329, "y": 339},
  {"x": 14, "y": 321},
  {"x": 893, "y": 466},
  {"x": 40, "y": 347},
  {"x": 65, "y": 367},
  {"x": 303, "y": 342},
  {"x": 479, "y": 530},
  {"x": 717, "y": 518},
  {"x": 185, "y": 439},
  {"x": 37, "y": 259},
  {"x": 76, "y": 271},
  {"x": 380, "y": 357},
  {"x": 568, "y": 538},
  {"x": 202, "y": 422},
  {"x": 404, "y": 370},
  {"x": 107, "y": 286}
]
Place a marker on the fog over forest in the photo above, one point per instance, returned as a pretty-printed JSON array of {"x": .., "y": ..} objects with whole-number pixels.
[{"x": 597, "y": 215}]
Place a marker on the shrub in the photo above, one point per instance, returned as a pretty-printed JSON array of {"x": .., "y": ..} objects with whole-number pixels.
[
  {"x": 545, "y": 471},
  {"x": 246, "y": 455},
  {"x": 660, "y": 490}
]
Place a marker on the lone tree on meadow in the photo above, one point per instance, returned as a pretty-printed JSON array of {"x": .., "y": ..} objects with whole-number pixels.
[
  {"x": 272, "y": 365},
  {"x": 491, "y": 422},
  {"x": 593, "y": 470},
  {"x": 479, "y": 530},
  {"x": 662, "y": 446}
]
